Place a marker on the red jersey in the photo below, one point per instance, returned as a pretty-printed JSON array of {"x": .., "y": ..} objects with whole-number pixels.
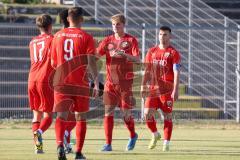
[
  {"x": 70, "y": 48},
  {"x": 119, "y": 69},
  {"x": 160, "y": 63},
  {"x": 40, "y": 58}
]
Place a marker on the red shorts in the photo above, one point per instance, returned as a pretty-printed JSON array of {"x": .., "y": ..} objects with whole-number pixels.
[
  {"x": 65, "y": 103},
  {"x": 40, "y": 96},
  {"x": 116, "y": 95},
  {"x": 164, "y": 102}
]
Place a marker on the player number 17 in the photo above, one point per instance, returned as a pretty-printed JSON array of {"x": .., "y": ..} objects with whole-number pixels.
[{"x": 40, "y": 51}]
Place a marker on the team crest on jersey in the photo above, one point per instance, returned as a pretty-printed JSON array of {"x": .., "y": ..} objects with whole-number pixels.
[
  {"x": 166, "y": 54},
  {"x": 169, "y": 103},
  {"x": 110, "y": 46},
  {"x": 125, "y": 45}
]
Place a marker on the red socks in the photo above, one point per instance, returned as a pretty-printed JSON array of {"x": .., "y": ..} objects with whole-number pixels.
[
  {"x": 35, "y": 126},
  {"x": 130, "y": 126},
  {"x": 151, "y": 124},
  {"x": 45, "y": 123},
  {"x": 59, "y": 130},
  {"x": 108, "y": 127},
  {"x": 69, "y": 125},
  {"x": 168, "y": 125},
  {"x": 81, "y": 128}
]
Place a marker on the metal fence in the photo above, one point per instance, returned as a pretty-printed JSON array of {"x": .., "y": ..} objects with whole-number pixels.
[
  {"x": 207, "y": 69},
  {"x": 208, "y": 43}
]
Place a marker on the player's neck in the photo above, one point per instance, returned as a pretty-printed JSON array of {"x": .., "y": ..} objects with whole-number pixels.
[
  {"x": 74, "y": 26},
  {"x": 42, "y": 33},
  {"x": 119, "y": 35},
  {"x": 163, "y": 46}
]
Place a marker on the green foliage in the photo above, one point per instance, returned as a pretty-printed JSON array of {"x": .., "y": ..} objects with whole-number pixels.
[
  {"x": 7, "y": 1},
  {"x": 28, "y": 1},
  {"x": 22, "y": 1}
]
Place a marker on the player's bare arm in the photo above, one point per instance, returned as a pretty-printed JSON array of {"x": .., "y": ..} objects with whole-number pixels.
[
  {"x": 92, "y": 66},
  {"x": 145, "y": 80},
  {"x": 131, "y": 58},
  {"x": 176, "y": 72}
]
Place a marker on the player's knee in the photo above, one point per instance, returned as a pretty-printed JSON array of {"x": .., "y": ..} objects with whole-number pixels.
[
  {"x": 109, "y": 110},
  {"x": 80, "y": 116},
  {"x": 37, "y": 117},
  {"x": 62, "y": 115},
  {"x": 168, "y": 116},
  {"x": 148, "y": 115},
  {"x": 127, "y": 117},
  {"x": 48, "y": 114}
]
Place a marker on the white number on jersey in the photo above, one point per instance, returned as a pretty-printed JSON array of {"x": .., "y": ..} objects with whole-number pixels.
[
  {"x": 68, "y": 48},
  {"x": 39, "y": 56}
]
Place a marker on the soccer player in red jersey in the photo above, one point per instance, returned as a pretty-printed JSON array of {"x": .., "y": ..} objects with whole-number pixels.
[
  {"x": 121, "y": 50},
  {"x": 160, "y": 85},
  {"x": 70, "y": 123},
  {"x": 72, "y": 52},
  {"x": 39, "y": 91}
]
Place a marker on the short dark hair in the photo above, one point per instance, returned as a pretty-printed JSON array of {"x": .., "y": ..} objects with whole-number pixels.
[
  {"x": 63, "y": 18},
  {"x": 165, "y": 28},
  {"x": 44, "y": 21},
  {"x": 75, "y": 13}
]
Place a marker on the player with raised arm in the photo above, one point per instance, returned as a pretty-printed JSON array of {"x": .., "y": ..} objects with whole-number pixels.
[
  {"x": 72, "y": 53},
  {"x": 160, "y": 85},
  {"x": 39, "y": 91},
  {"x": 121, "y": 51}
]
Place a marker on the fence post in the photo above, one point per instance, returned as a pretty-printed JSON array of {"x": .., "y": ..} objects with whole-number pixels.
[
  {"x": 189, "y": 46},
  {"x": 96, "y": 11},
  {"x": 225, "y": 70},
  {"x": 238, "y": 78},
  {"x": 125, "y": 10},
  {"x": 74, "y": 3},
  {"x": 157, "y": 20},
  {"x": 142, "y": 72}
]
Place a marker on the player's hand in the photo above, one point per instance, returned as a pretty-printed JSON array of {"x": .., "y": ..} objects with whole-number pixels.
[
  {"x": 174, "y": 95},
  {"x": 95, "y": 90},
  {"x": 118, "y": 53},
  {"x": 95, "y": 87}
]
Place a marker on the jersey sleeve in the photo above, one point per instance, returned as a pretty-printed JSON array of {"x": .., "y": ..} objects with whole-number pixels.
[
  {"x": 53, "y": 53},
  {"x": 135, "y": 49},
  {"x": 147, "y": 60},
  {"x": 176, "y": 57},
  {"x": 49, "y": 48},
  {"x": 101, "y": 50},
  {"x": 90, "y": 49}
]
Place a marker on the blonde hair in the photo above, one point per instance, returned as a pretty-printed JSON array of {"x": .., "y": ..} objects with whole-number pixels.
[{"x": 118, "y": 18}]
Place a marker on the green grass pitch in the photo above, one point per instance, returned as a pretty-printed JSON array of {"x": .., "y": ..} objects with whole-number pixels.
[{"x": 190, "y": 141}]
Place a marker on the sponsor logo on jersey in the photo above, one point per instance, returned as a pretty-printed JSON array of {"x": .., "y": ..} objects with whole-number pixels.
[
  {"x": 166, "y": 54},
  {"x": 169, "y": 103},
  {"x": 110, "y": 47},
  {"x": 160, "y": 62},
  {"x": 125, "y": 45}
]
